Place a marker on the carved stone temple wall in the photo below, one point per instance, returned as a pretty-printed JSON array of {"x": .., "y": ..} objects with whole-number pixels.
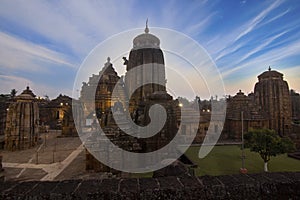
[{"x": 22, "y": 128}]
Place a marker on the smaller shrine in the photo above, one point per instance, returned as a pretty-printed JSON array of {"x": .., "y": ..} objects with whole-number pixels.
[{"x": 22, "y": 122}]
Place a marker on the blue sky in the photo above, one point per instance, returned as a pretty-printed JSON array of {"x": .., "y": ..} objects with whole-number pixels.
[{"x": 43, "y": 43}]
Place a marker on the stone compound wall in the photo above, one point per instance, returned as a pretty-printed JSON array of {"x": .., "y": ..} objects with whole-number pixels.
[{"x": 253, "y": 186}]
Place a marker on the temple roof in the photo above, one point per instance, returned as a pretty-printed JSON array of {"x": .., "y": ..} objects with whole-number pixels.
[
  {"x": 146, "y": 40},
  {"x": 270, "y": 73},
  {"x": 28, "y": 91},
  {"x": 108, "y": 68},
  {"x": 27, "y": 94}
]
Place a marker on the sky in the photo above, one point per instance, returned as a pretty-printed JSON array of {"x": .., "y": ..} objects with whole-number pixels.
[{"x": 44, "y": 43}]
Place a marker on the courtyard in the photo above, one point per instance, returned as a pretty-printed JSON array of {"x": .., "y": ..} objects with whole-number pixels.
[{"x": 63, "y": 158}]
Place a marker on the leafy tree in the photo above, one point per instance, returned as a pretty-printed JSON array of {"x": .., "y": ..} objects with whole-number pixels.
[
  {"x": 13, "y": 93},
  {"x": 267, "y": 143}
]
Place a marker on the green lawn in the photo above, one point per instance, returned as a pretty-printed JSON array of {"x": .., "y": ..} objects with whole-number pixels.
[{"x": 227, "y": 160}]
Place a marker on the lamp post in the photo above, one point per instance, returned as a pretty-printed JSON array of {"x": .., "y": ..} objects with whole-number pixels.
[{"x": 243, "y": 170}]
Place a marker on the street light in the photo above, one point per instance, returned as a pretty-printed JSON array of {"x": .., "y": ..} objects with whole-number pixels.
[{"x": 243, "y": 170}]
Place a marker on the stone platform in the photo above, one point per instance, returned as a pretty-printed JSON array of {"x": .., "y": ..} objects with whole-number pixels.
[{"x": 285, "y": 185}]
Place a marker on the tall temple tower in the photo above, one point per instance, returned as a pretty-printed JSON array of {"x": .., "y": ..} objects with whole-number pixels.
[
  {"x": 22, "y": 122},
  {"x": 147, "y": 60},
  {"x": 144, "y": 86},
  {"x": 272, "y": 95}
]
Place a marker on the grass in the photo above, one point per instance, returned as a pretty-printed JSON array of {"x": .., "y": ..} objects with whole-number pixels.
[
  {"x": 141, "y": 175},
  {"x": 223, "y": 160}
]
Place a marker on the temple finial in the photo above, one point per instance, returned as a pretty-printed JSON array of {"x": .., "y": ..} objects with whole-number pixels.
[
  {"x": 108, "y": 59},
  {"x": 147, "y": 29},
  {"x": 269, "y": 68}
]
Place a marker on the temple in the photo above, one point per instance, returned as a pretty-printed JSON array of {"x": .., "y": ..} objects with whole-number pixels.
[
  {"x": 272, "y": 95},
  {"x": 272, "y": 105},
  {"x": 145, "y": 84},
  {"x": 22, "y": 123}
]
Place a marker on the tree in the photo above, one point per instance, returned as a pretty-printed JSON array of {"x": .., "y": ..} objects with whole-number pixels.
[
  {"x": 267, "y": 143},
  {"x": 13, "y": 93}
]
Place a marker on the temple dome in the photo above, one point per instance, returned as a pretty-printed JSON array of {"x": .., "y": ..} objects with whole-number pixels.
[
  {"x": 27, "y": 94},
  {"x": 146, "y": 40},
  {"x": 270, "y": 74}
]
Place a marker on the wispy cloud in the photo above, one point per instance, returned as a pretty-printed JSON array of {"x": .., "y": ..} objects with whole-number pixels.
[
  {"x": 260, "y": 47},
  {"x": 251, "y": 25},
  {"x": 20, "y": 53},
  {"x": 274, "y": 18},
  {"x": 76, "y": 26},
  {"x": 231, "y": 49},
  {"x": 13, "y": 82},
  {"x": 40, "y": 36},
  {"x": 260, "y": 62},
  {"x": 200, "y": 26},
  {"x": 9, "y": 82},
  {"x": 232, "y": 42}
]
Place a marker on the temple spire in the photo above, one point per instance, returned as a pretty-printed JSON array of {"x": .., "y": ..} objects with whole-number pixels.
[{"x": 147, "y": 29}]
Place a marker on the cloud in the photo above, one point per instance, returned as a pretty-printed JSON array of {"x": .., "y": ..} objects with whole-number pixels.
[
  {"x": 200, "y": 26},
  {"x": 260, "y": 47},
  {"x": 13, "y": 82},
  {"x": 77, "y": 26},
  {"x": 20, "y": 53},
  {"x": 9, "y": 82},
  {"x": 40, "y": 36},
  {"x": 267, "y": 58},
  {"x": 275, "y": 18},
  {"x": 230, "y": 43},
  {"x": 251, "y": 25}
]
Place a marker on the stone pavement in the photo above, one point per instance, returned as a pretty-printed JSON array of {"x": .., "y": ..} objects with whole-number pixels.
[
  {"x": 52, "y": 170},
  {"x": 44, "y": 162}
]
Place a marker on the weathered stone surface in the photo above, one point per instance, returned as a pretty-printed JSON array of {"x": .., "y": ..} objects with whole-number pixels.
[
  {"x": 87, "y": 187},
  {"x": 129, "y": 189},
  {"x": 22, "y": 125},
  {"x": 100, "y": 102},
  {"x": 43, "y": 188},
  {"x": 168, "y": 182},
  {"x": 65, "y": 187},
  {"x": 272, "y": 94},
  {"x": 284, "y": 185}
]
